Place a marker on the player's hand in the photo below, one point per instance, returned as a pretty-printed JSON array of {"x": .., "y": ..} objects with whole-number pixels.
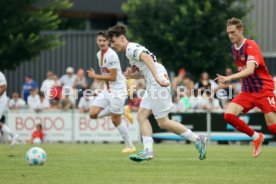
[
  {"x": 163, "y": 83},
  {"x": 127, "y": 73},
  {"x": 91, "y": 73},
  {"x": 223, "y": 79}
]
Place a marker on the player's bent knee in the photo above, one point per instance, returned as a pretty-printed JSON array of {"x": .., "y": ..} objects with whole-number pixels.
[
  {"x": 93, "y": 115},
  {"x": 272, "y": 128}
]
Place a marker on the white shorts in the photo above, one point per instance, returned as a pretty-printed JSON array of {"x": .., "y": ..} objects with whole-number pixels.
[
  {"x": 116, "y": 102},
  {"x": 159, "y": 100},
  {"x": 3, "y": 108}
]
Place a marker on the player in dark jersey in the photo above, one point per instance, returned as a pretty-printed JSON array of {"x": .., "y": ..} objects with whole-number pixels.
[{"x": 257, "y": 84}]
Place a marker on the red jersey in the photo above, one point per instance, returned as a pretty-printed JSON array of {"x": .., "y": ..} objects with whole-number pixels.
[
  {"x": 37, "y": 134},
  {"x": 260, "y": 80}
]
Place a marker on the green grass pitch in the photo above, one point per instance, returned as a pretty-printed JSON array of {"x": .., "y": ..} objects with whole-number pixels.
[{"x": 104, "y": 163}]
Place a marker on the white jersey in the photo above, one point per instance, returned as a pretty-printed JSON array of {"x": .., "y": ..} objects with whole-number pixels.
[
  {"x": 3, "y": 81},
  {"x": 133, "y": 53},
  {"x": 110, "y": 60}
]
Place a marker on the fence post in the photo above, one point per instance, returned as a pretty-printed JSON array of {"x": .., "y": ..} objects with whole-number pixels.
[{"x": 208, "y": 121}]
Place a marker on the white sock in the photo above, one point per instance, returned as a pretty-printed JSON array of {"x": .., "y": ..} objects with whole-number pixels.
[
  {"x": 189, "y": 135},
  {"x": 104, "y": 112},
  {"x": 122, "y": 128},
  {"x": 255, "y": 136},
  {"x": 7, "y": 130},
  {"x": 148, "y": 143}
]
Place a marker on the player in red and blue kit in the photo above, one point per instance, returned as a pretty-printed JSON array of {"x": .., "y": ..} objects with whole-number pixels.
[{"x": 257, "y": 84}]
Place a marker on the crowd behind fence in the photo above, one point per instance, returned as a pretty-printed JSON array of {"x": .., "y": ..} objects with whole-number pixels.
[{"x": 187, "y": 93}]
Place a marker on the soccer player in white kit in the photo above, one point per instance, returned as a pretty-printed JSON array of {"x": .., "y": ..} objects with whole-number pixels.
[
  {"x": 154, "y": 101},
  {"x": 3, "y": 106},
  {"x": 111, "y": 100}
]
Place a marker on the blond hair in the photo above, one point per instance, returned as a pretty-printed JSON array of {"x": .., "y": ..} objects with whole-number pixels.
[{"x": 234, "y": 21}]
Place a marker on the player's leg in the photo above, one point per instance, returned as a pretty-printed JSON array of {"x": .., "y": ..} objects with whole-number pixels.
[
  {"x": 181, "y": 130},
  {"x": 117, "y": 109},
  {"x": 161, "y": 106},
  {"x": 239, "y": 104},
  {"x": 100, "y": 107},
  {"x": 94, "y": 112},
  {"x": 146, "y": 131},
  {"x": 231, "y": 116},
  {"x": 5, "y": 129},
  {"x": 128, "y": 114},
  {"x": 268, "y": 105},
  {"x": 270, "y": 119}
]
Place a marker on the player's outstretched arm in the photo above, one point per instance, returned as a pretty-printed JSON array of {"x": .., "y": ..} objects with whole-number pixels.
[
  {"x": 249, "y": 70},
  {"x": 112, "y": 76},
  {"x": 150, "y": 63}
]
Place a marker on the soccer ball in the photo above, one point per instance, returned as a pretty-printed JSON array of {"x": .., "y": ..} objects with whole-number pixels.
[{"x": 36, "y": 156}]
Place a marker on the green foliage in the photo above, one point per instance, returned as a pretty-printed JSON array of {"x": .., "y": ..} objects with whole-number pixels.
[
  {"x": 20, "y": 27},
  {"x": 185, "y": 33},
  {"x": 71, "y": 24}
]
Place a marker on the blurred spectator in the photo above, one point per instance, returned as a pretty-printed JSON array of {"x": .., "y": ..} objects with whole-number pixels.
[
  {"x": 15, "y": 102},
  {"x": 48, "y": 82},
  {"x": 55, "y": 103},
  {"x": 229, "y": 89},
  {"x": 178, "y": 80},
  {"x": 37, "y": 135},
  {"x": 66, "y": 103},
  {"x": 85, "y": 104},
  {"x": 33, "y": 100},
  {"x": 205, "y": 82},
  {"x": 189, "y": 83},
  {"x": 96, "y": 85},
  {"x": 69, "y": 78},
  {"x": 196, "y": 100},
  {"x": 178, "y": 105},
  {"x": 185, "y": 101},
  {"x": 140, "y": 86},
  {"x": 27, "y": 86},
  {"x": 43, "y": 102},
  {"x": 80, "y": 83},
  {"x": 137, "y": 86},
  {"x": 211, "y": 103},
  {"x": 134, "y": 103},
  {"x": 56, "y": 90}
]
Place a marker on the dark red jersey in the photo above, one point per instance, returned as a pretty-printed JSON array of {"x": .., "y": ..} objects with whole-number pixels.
[{"x": 260, "y": 80}]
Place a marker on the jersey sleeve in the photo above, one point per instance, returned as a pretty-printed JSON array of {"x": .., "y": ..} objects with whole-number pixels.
[
  {"x": 134, "y": 51},
  {"x": 253, "y": 54},
  {"x": 113, "y": 62},
  {"x": 2, "y": 80}
]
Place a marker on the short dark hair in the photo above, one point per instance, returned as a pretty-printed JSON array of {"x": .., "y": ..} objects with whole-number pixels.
[
  {"x": 234, "y": 21},
  {"x": 116, "y": 31},
  {"x": 101, "y": 33}
]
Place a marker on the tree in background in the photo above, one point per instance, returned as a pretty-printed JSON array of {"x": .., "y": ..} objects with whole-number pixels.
[
  {"x": 20, "y": 29},
  {"x": 185, "y": 33}
]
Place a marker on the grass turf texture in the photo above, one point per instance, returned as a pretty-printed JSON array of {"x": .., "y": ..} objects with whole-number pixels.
[{"x": 104, "y": 163}]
